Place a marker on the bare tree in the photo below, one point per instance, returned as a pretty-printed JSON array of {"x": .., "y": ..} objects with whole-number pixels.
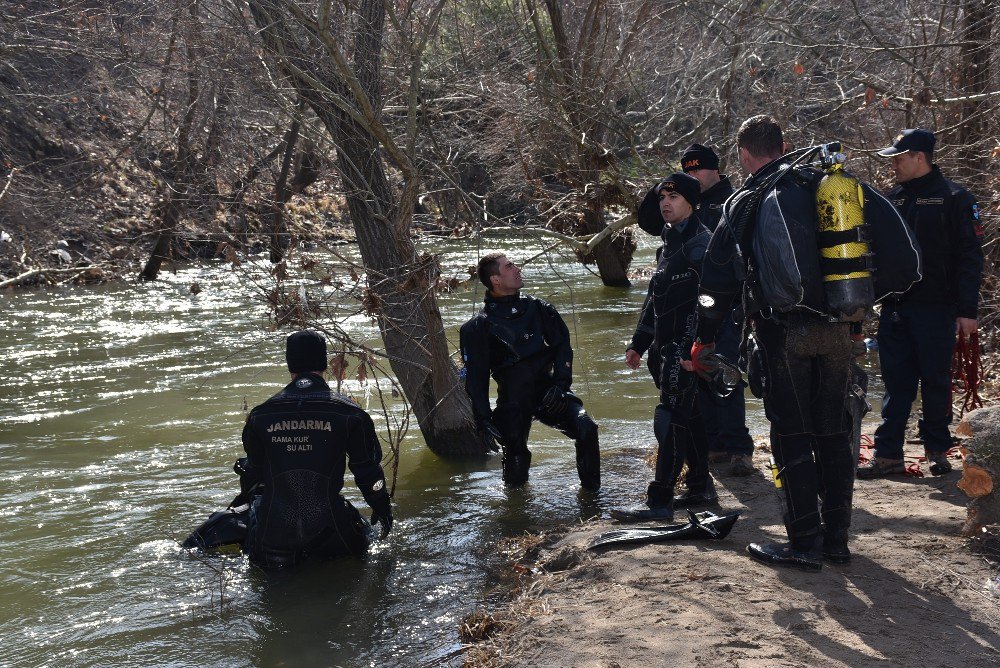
[{"x": 312, "y": 49}]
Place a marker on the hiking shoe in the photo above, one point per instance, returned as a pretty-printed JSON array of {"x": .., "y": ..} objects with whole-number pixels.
[
  {"x": 785, "y": 554},
  {"x": 939, "y": 462},
  {"x": 880, "y": 468},
  {"x": 742, "y": 465},
  {"x": 717, "y": 456}
]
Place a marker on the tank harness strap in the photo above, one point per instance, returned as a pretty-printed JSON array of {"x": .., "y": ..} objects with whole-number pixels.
[
  {"x": 846, "y": 265},
  {"x": 827, "y": 238}
]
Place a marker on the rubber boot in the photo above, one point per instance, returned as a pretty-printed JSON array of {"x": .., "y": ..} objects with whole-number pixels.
[
  {"x": 659, "y": 506},
  {"x": 515, "y": 468},
  {"x": 705, "y": 497},
  {"x": 835, "y": 548},
  {"x": 588, "y": 466},
  {"x": 803, "y": 553}
]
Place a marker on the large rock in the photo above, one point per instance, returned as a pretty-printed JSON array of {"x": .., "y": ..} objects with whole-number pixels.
[{"x": 981, "y": 480}]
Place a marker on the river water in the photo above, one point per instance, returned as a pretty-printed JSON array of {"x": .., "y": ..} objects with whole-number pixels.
[{"x": 120, "y": 420}]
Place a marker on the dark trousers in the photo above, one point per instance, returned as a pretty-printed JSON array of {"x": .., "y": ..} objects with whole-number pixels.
[
  {"x": 348, "y": 534},
  {"x": 808, "y": 367},
  {"x": 680, "y": 437},
  {"x": 915, "y": 346},
  {"x": 518, "y": 404},
  {"x": 725, "y": 419}
]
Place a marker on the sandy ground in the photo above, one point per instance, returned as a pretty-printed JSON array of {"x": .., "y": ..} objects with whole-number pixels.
[{"x": 913, "y": 595}]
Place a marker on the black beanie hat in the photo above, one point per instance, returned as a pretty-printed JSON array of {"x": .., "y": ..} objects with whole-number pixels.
[
  {"x": 305, "y": 351},
  {"x": 649, "y": 217},
  {"x": 697, "y": 156}
]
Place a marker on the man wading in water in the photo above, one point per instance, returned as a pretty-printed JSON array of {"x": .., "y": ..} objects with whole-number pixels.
[{"x": 524, "y": 343}]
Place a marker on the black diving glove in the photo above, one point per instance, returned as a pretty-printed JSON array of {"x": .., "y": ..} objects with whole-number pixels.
[
  {"x": 383, "y": 520},
  {"x": 490, "y": 434},
  {"x": 555, "y": 401},
  {"x": 381, "y": 512}
]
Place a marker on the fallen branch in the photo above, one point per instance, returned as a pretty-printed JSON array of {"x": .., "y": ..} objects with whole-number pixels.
[
  {"x": 36, "y": 272},
  {"x": 582, "y": 244},
  {"x": 10, "y": 178}
]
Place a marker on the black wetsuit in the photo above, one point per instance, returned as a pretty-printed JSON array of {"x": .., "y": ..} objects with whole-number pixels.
[
  {"x": 916, "y": 333},
  {"x": 298, "y": 443},
  {"x": 709, "y": 211},
  {"x": 524, "y": 343},
  {"x": 806, "y": 358},
  {"x": 725, "y": 417},
  {"x": 666, "y": 328}
]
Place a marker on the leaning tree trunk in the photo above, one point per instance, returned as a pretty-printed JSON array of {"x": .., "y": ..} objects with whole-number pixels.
[
  {"x": 400, "y": 283},
  {"x": 613, "y": 255}
]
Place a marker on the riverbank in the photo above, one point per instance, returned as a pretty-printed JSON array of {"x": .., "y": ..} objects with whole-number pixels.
[{"x": 915, "y": 593}]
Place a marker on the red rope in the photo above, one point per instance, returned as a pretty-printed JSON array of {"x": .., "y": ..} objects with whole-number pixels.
[{"x": 967, "y": 371}]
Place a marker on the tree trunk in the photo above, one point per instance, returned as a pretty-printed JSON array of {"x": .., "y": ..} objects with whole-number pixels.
[
  {"x": 613, "y": 255},
  {"x": 400, "y": 283},
  {"x": 981, "y": 470},
  {"x": 975, "y": 67}
]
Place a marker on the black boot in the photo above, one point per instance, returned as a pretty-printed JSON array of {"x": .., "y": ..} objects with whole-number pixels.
[
  {"x": 835, "y": 548},
  {"x": 588, "y": 466},
  {"x": 515, "y": 468},
  {"x": 706, "y": 497},
  {"x": 659, "y": 506},
  {"x": 801, "y": 553}
]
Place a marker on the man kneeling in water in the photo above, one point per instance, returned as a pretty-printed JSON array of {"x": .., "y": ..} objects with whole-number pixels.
[{"x": 297, "y": 444}]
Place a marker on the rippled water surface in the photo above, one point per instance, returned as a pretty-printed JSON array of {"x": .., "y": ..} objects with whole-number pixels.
[{"x": 121, "y": 413}]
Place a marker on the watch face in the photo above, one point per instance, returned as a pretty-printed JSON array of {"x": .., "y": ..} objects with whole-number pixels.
[
  {"x": 303, "y": 383},
  {"x": 706, "y": 301}
]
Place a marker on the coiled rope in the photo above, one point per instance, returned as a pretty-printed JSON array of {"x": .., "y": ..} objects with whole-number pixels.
[{"x": 967, "y": 371}]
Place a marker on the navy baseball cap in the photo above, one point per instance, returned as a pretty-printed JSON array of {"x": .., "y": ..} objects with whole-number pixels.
[{"x": 914, "y": 139}]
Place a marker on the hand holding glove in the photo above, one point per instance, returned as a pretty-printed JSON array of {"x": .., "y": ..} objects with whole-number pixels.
[{"x": 702, "y": 362}]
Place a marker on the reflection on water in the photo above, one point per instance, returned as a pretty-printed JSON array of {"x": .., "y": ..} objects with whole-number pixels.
[{"x": 121, "y": 413}]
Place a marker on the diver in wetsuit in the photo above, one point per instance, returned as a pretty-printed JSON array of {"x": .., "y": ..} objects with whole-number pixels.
[
  {"x": 666, "y": 329},
  {"x": 298, "y": 443},
  {"x": 524, "y": 343}
]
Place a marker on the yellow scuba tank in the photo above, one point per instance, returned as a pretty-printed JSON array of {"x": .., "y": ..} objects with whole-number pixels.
[{"x": 845, "y": 254}]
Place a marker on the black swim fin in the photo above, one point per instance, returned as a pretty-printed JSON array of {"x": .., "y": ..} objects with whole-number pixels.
[
  {"x": 704, "y": 525},
  {"x": 226, "y": 527}
]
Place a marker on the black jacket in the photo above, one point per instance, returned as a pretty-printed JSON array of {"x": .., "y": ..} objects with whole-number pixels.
[
  {"x": 668, "y": 314},
  {"x": 516, "y": 331},
  {"x": 298, "y": 443},
  {"x": 945, "y": 218},
  {"x": 710, "y": 210}
]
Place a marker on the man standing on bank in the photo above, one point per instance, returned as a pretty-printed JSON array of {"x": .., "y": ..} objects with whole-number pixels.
[
  {"x": 524, "y": 343},
  {"x": 916, "y": 331},
  {"x": 806, "y": 357},
  {"x": 297, "y": 444},
  {"x": 667, "y": 326},
  {"x": 724, "y": 417}
]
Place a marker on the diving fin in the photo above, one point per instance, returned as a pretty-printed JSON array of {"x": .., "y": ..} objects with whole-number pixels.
[
  {"x": 704, "y": 525},
  {"x": 226, "y": 527}
]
